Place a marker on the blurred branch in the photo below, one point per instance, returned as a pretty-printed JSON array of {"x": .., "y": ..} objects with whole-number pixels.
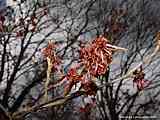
[{"x": 52, "y": 103}]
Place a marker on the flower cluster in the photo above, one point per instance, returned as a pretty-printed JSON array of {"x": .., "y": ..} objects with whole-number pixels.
[
  {"x": 94, "y": 61},
  {"x": 139, "y": 79},
  {"x": 90, "y": 87},
  {"x": 73, "y": 77},
  {"x": 97, "y": 56},
  {"x": 49, "y": 52}
]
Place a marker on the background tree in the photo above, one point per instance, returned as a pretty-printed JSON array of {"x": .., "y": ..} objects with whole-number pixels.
[{"x": 27, "y": 26}]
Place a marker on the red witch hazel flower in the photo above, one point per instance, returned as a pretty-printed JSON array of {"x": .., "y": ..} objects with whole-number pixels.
[
  {"x": 139, "y": 79},
  {"x": 49, "y": 50},
  {"x": 97, "y": 56},
  {"x": 73, "y": 77},
  {"x": 90, "y": 87},
  {"x": 49, "y": 53}
]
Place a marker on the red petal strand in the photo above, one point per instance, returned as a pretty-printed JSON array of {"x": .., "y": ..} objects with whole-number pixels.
[
  {"x": 139, "y": 79},
  {"x": 96, "y": 54}
]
